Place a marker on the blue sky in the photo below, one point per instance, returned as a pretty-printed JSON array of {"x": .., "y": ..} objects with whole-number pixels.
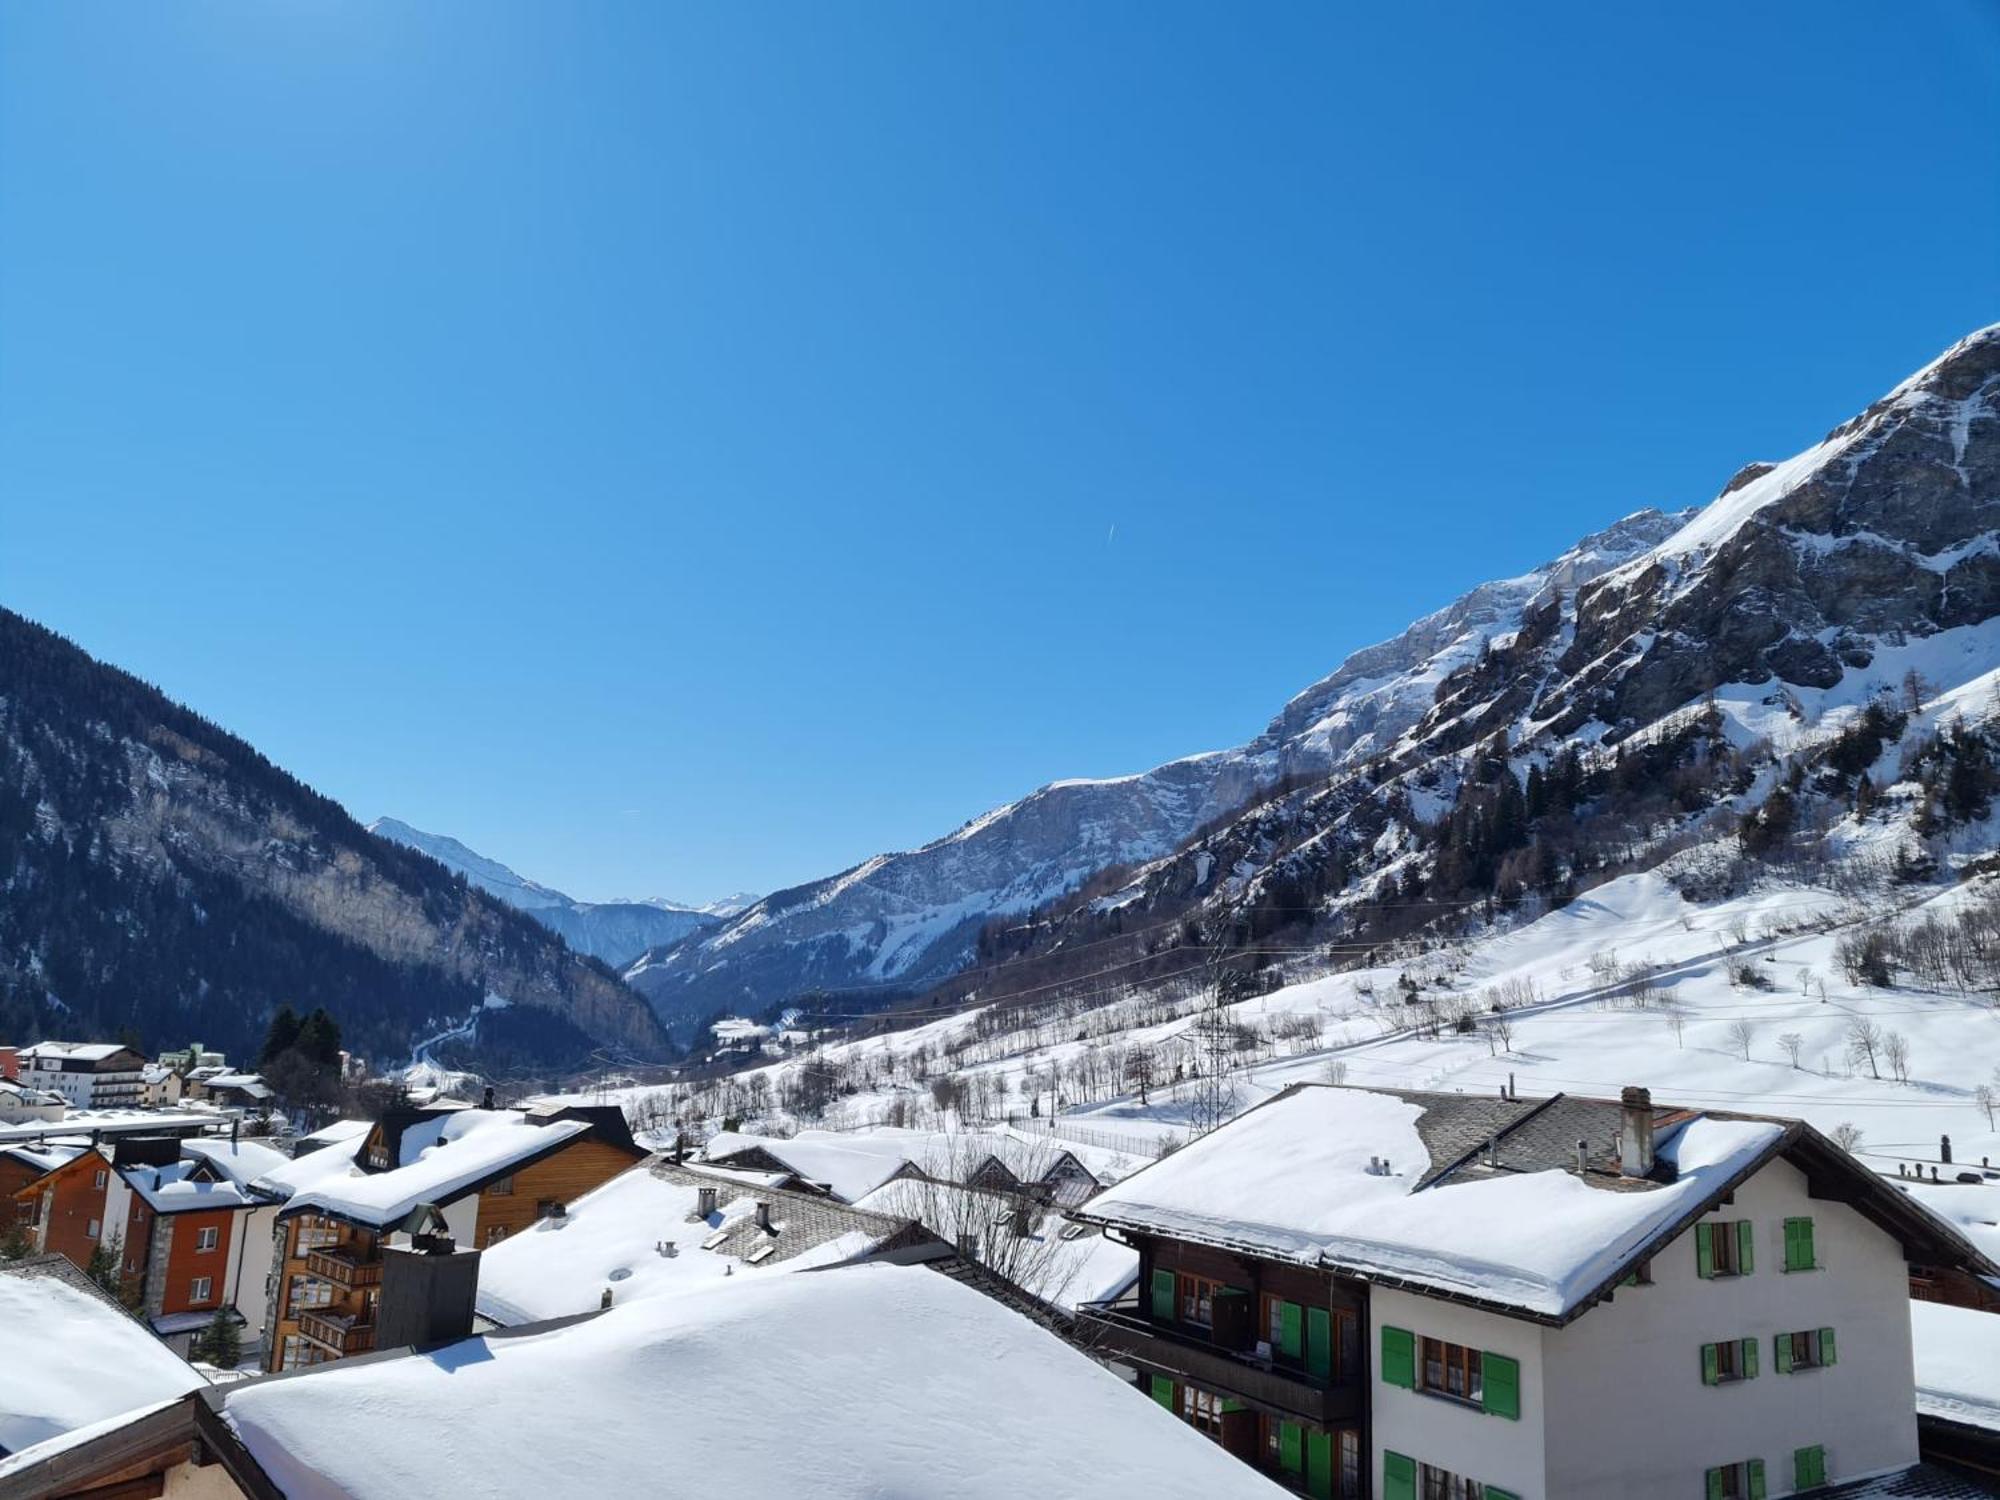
[{"x": 677, "y": 448}]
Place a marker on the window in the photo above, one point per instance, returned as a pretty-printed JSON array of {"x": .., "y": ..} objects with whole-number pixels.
[
  {"x": 100, "y": 1178},
  {"x": 495, "y": 1233},
  {"x": 90, "y": 1230},
  {"x": 1282, "y": 1326},
  {"x": 297, "y": 1354},
  {"x": 1723, "y": 1249},
  {"x": 1350, "y": 1461},
  {"x": 1739, "y": 1481},
  {"x": 1728, "y": 1362},
  {"x": 1434, "y": 1483},
  {"x": 1810, "y": 1349},
  {"x": 1640, "y": 1275},
  {"x": 1200, "y": 1409},
  {"x": 204, "y": 1239},
  {"x": 1450, "y": 1370},
  {"x": 1799, "y": 1255},
  {"x": 201, "y": 1289},
  {"x": 308, "y": 1292},
  {"x": 1197, "y": 1299},
  {"x": 1808, "y": 1467},
  {"x": 315, "y": 1233},
  {"x": 503, "y": 1188}
]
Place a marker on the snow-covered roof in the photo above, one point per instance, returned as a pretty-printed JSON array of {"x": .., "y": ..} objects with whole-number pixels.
[
  {"x": 117, "y": 1122},
  {"x": 338, "y": 1131},
  {"x": 1958, "y": 1363},
  {"x": 445, "y": 1156},
  {"x": 75, "y": 1357},
  {"x": 181, "y": 1187},
  {"x": 79, "y": 1051},
  {"x": 242, "y": 1161},
  {"x": 248, "y": 1083},
  {"x": 611, "y": 1237},
  {"x": 995, "y": 1408},
  {"x": 849, "y": 1168},
  {"x": 44, "y": 1158},
  {"x": 1292, "y": 1180}
]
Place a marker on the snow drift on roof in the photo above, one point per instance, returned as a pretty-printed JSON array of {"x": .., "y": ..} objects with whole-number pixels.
[
  {"x": 1958, "y": 1363},
  {"x": 994, "y": 1409},
  {"x": 444, "y": 1157},
  {"x": 1291, "y": 1180},
  {"x": 74, "y": 1359}
]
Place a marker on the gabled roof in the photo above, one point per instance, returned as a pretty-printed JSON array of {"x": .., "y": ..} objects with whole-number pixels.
[
  {"x": 1478, "y": 1198},
  {"x": 82, "y": 1357},
  {"x": 616, "y": 1238}
]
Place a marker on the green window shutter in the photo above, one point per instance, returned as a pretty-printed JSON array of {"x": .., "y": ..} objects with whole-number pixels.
[
  {"x": 1709, "y": 1376},
  {"x": 1799, "y": 1245},
  {"x": 1494, "y": 1492},
  {"x": 1809, "y": 1468},
  {"x": 1826, "y": 1346},
  {"x": 1704, "y": 1251},
  {"x": 1715, "y": 1484},
  {"x": 1756, "y": 1468},
  {"x": 1291, "y": 1332},
  {"x": 1163, "y": 1296},
  {"x": 1319, "y": 1343},
  {"x": 1399, "y": 1477},
  {"x": 1746, "y": 1244},
  {"x": 1808, "y": 1254},
  {"x": 1291, "y": 1447},
  {"x": 1399, "y": 1358},
  {"x": 1791, "y": 1244},
  {"x": 1501, "y": 1377},
  {"x": 1781, "y": 1345},
  {"x": 1163, "y": 1391},
  {"x": 1319, "y": 1465},
  {"x": 1748, "y": 1356}
]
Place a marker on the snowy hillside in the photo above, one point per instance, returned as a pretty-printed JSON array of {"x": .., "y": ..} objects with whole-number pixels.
[{"x": 616, "y": 931}]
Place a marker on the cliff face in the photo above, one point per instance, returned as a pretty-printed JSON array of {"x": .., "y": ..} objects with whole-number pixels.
[{"x": 161, "y": 876}]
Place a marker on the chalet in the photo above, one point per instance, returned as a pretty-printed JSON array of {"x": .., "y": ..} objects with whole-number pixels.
[
  {"x": 489, "y": 1173},
  {"x": 663, "y": 1396},
  {"x": 1415, "y": 1295},
  {"x": 21, "y": 1104},
  {"x": 173, "y": 1212},
  {"x": 72, "y": 1356},
  {"x": 663, "y": 1227},
  {"x": 88, "y": 1075}
]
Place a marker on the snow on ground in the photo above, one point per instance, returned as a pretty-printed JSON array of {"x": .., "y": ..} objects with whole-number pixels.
[
  {"x": 1958, "y": 1363},
  {"x": 75, "y": 1359},
  {"x": 499, "y": 1416}
]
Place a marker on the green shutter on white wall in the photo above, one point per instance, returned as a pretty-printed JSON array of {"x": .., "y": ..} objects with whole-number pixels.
[
  {"x": 1746, "y": 1245},
  {"x": 1756, "y": 1468},
  {"x": 1163, "y": 1296},
  {"x": 1399, "y": 1357},
  {"x": 1748, "y": 1359},
  {"x": 1826, "y": 1346},
  {"x": 1501, "y": 1378},
  {"x": 1710, "y": 1373},
  {"x": 1399, "y": 1477},
  {"x": 1704, "y": 1250}
]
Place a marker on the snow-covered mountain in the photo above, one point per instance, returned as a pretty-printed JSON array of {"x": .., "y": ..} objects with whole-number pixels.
[
  {"x": 909, "y": 918},
  {"x": 1816, "y": 576},
  {"x": 616, "y": 931}
]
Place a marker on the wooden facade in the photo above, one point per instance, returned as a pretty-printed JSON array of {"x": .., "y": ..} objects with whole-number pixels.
[{"x": 1269, "y": 1359}]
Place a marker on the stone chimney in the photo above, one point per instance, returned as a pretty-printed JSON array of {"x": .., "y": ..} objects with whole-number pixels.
[{"x": 1635, "y": 1132}]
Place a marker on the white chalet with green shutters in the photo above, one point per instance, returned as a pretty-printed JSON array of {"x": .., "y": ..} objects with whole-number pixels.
[{"x": 1555, "y": 1299}]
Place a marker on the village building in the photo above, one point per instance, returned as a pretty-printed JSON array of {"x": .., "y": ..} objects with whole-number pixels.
[
  {"x": 88, "y": 1075},
  {"x": 72, "y": 1357},
  {"x": 489, "y": 1173},
  {"x": 663, "y": 1227},
  {"x": 175, "y": 1213},
  {"x": 1409, "y": 1296},
  {"x": 22, "y": 1104},
  {"x": 992, "y": 1408}
]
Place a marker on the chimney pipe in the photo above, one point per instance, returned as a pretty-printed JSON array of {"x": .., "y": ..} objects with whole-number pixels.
[
  {"x": 604, "y": 1302},
  {"x": 1582, "y": 1157},
  {"x": 1944, "y": 1149},
  {"x": 1511, "y": 1094},
  {"x": 764, "y": 1215},
  {"x": 704, "y": 1202},
  {"x": 1635, "y": 1132},
  {"x": 486, "y": 1102}
]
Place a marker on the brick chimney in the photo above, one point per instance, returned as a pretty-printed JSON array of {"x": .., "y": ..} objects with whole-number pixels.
[{"x": 1635, "y": 1132}]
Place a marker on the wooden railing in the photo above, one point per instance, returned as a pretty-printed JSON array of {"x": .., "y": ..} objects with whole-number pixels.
[
  {"x": 1161, "y": 1348},
  {"x": 343, "y": 1269},
  {"x": 335, "y": 1331}
]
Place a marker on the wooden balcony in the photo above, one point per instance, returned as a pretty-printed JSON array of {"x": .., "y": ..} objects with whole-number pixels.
[
  {"x": 338, "y": 1332},
  {"x": 1119, "y": 1329},
  {"x": 343, "y": 1269}
]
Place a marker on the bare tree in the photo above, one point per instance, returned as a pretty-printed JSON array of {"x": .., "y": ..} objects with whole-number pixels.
[
  {"x": 1988, "y": 1099},
  {"x": 1677, "y": 1021},
  {"x": 1896, "y": 1052},
  {"x": 1738, "y": 928},
  {"x": 1014, "y": 1233},
  {"x": 1792, "y": 1045},
  {"x": 1864, "y": 1044},
  {"x": 1500, "y": 1032},
  {"x": 1335, "y": 1072},
  {"x": 1742, "y": 1034},
  {"x": 1847, "y": 1137},
  {"x": 1139, "y": 1070}
]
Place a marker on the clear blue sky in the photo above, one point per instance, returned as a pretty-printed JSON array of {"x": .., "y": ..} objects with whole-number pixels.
[{"x": 679, "y": 447}]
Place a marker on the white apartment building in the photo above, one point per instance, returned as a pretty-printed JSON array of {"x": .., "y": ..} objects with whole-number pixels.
[{"x": 88, "y": 1075}]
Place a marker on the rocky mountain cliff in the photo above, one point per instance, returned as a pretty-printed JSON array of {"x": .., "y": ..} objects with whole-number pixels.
[
  {"x": 616, "y": 931},
  {"x": 162, "y": 879},
  {"x": 902, "y": 921}
]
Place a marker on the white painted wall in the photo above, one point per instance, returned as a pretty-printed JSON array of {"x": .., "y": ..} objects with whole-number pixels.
[
  {"x": 250, "y": 1266},
  {"x": 1624, "y": 1388},
  {"x": 1453, "y": 1436},
  {"x": 1614, "y": 1403}
]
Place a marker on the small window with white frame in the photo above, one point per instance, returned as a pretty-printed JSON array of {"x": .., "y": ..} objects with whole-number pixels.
[
  {"x": 201, "y": 1289},
  {"x": 206, "y": 1237}
]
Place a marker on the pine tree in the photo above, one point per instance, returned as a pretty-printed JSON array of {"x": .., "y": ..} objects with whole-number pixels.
[
  {"x": 15, "y": 1244},
  {"x": 283, "y": 1034}
]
